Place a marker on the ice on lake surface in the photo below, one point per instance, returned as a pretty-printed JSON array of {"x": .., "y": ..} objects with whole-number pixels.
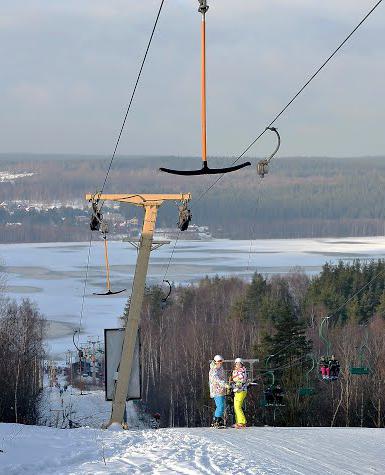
[{"x": 53, "y": 275}]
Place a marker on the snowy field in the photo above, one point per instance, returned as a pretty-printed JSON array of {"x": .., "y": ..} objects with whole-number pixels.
[
  {"x": 267, "y": 450},
  {"x": 34, "y": 450},
  {"x": 52, "y": 274}
]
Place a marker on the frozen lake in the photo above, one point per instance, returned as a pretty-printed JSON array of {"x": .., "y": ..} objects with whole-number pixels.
[{"x": 52, "y": 275}]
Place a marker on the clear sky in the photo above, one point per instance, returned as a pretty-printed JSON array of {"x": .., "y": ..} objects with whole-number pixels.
[{"x": 68, "y": 68}]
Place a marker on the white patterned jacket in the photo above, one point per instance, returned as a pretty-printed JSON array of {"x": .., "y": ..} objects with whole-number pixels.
[{"x": 217, "y": 380}]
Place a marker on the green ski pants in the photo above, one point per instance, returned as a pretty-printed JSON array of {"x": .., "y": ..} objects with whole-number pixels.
[{"x": 239, "y": 397}]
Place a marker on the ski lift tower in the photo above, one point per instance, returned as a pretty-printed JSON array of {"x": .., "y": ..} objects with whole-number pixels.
[{"x": 151, "y": 204}]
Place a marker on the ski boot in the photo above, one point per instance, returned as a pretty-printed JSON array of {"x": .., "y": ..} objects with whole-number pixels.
[
  {"x": 218, "y": 423},
  {"x": 238, "y": 426},
  {"x": 215, "y": 422}
]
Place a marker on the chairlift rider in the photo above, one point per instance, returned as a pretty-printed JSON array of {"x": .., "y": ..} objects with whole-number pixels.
[
  {"x": 324, "y": 367},
  {"x": 334, "y": 367},
  {"x": 278, "y": 395},
  {"x": 329, "y": 367},
  {"x": 274, "y": 395},
  {"x": 269, "y": 397}
]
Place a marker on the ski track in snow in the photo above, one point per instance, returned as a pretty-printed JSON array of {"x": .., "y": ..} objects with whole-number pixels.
[{"x": 258, "y": 450}]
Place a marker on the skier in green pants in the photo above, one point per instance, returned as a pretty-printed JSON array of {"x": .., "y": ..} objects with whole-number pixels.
[{"x": 239, "y": 384}]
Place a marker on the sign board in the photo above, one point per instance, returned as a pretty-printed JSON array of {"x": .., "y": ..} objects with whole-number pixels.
[{"x": 113, "y": 344}]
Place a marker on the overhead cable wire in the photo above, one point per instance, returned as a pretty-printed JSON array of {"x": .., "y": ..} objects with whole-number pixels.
[
  {"x": 84, "y": 287},
  {"x": 132, "y": 95},
  {"x": 281, "y": 112},
  {"x": 283, "y": 348},
  {"x": 278, "y": 115},
  {"x": 171, "y": 256},
  {"x": 333, "y": 314},
  {"x": 116, "y": 147},
  {"x": 287, "y": 365},
  {"x": 296, "y": 362},
  {"x": 252, "y": 224}
]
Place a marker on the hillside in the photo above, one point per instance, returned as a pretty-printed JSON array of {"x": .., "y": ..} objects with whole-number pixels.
[
  {"x": 300, "y": 197},
  {"x": 268, "y": 450}
]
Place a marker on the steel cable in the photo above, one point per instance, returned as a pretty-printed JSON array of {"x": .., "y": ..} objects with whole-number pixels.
[
  {"x": 132, "y": 95},
  {"x": 115, "y": 149},
  {"x": 277, "y": 116}
]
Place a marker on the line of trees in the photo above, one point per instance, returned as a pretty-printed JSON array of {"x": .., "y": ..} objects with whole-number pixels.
[
  {"x": 277, "y": 316},
  {"x": 21, "y": 361},
  {"x": 301, "y": 196}
]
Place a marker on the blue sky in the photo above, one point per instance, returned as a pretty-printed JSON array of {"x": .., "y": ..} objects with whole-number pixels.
[{"x": 68, "y": 67}]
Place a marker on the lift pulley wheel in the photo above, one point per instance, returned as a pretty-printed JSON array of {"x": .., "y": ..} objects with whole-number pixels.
[
  {"x": 185, "y": 217},
  {"x": 96, "y": 217}
]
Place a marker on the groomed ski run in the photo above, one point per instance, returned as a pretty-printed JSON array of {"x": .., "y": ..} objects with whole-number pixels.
[{"x": 257, "y": 450}]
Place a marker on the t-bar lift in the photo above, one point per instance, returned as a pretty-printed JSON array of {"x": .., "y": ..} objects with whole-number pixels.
[{"x": 205, "y": 170}]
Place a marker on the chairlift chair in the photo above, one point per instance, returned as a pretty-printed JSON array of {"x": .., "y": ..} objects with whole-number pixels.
[
  {"x": 270, "y": 398},
  {"x": 328, "y": 350},
  {"x": 362, "y": 369},
  {"x": 307, "y": 390},
  {"x": 359, "y": 370}
]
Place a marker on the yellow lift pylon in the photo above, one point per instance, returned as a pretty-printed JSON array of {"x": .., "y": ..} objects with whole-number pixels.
[{"x": 151, "y": 203}]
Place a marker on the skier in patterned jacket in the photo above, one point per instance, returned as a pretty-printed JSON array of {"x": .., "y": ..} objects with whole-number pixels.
[
  {"x": 239, "y": 385},
  {"x": 218, "y": 384}
]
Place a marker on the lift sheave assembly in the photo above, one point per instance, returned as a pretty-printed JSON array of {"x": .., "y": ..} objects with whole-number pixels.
[{"x": 205, "y": 170}]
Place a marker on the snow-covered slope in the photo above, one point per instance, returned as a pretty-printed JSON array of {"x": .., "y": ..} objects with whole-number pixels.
[
  {"x": 267, "y": 450},
  {"x": 87, "y": 408}
]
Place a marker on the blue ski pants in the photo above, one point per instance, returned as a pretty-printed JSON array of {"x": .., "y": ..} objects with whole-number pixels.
[{"x": 220, "y": 406}]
